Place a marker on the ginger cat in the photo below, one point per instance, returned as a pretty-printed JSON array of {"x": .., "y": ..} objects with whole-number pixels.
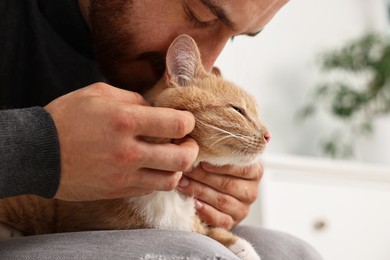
[{"x": 228, "y": 131}]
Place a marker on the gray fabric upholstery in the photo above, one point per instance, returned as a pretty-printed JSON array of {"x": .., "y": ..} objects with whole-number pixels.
[
  {"x": 275, "y": 245},
  {"x": 151, "y": 244}
]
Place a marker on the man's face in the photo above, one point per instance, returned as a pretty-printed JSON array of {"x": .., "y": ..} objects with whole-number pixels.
[{"x": 132, "y": 36}]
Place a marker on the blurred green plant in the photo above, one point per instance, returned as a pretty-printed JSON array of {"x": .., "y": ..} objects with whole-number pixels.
[{"x": 356, "y": 92}]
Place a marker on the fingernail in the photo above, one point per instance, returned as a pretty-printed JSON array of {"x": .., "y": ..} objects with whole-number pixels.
[
  {"x": 188, "y": 170},
  {"x": 183, "y": 182},
  {"x": 198, "y": 204},
  {"x": 206, "y": 165}
]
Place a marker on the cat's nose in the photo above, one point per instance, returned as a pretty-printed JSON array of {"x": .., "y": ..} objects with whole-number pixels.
[{"x": 267, "y": 137}]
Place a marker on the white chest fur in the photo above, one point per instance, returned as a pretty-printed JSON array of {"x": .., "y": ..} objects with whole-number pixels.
[{"x": 167, "y": 210}]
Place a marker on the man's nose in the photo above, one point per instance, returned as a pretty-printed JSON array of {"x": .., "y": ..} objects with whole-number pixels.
[{"x": 210, "y": 51}]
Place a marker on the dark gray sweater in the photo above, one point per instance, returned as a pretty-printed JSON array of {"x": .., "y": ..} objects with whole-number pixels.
[{"x": 45, "y": 52}]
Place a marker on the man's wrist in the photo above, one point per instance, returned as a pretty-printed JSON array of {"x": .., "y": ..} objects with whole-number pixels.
[{"x": 30, "y": 154}]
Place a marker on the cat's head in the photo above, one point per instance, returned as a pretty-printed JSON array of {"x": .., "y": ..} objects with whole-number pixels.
[{"x": 228, "y": 129}]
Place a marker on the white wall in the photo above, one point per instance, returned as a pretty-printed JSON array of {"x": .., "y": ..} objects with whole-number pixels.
[
  {"x": 279, "y": 67},
  {"x": 341, "y": 208}
]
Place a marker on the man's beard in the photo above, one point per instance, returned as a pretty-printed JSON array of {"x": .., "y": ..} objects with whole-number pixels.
[{"x": 114, "y": 45}]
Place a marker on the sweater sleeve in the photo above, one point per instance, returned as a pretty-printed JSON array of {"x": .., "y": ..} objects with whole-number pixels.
[{"x": 29, "y": 153}]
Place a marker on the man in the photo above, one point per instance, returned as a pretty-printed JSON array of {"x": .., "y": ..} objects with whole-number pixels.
[{"x": 66, "y": 136}]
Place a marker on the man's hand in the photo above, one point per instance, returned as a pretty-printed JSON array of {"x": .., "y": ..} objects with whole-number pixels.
[
  {"x": 223, "y": 194},
  {"x": 103, "y": 153}
]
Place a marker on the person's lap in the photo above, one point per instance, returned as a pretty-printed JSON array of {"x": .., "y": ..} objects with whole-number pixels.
[{"x": 152, "y": 244}]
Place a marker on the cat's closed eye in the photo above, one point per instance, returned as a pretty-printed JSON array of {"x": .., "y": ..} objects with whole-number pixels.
[{"x": 238, "y": 109}]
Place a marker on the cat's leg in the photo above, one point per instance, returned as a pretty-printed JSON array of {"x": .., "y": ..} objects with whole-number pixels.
[
  {"x": 239, "y": 246},
  {"x": 7, "y": 232}
]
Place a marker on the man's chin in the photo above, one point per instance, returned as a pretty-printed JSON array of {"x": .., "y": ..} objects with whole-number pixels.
[
  {"x": 140, "y": 86},
  {"x": 138, "y": 76}
]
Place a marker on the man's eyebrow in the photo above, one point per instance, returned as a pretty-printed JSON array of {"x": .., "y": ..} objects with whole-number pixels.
[{"x": 219, "y": 12}]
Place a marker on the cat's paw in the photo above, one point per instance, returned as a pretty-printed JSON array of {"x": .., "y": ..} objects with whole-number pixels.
[
  {"x": 244, "y": 250},
  {"x": 7, "y": 232}
]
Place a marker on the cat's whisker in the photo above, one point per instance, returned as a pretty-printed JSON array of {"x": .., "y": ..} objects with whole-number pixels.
[
  {"x": 244, "y": 137},
  {"x": 219, "y": 140},
  {"x": 214, "y": 136},
  {"x": 221, "y": 130}
]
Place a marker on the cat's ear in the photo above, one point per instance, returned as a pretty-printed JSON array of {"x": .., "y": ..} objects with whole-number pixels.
[{"x": 183, "y": 61}]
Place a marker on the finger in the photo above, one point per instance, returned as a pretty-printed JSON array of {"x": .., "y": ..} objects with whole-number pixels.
[
  {"x": 253, "y": 171},
  {"x": 242, "y": 189},
  {"x": 220, "y": 201},
  {"x": 157, "y": 180},
  {"x": 157, "y": 122},
  {"x": 213, "y": 217},
  {"x": 169, "y": 156}
]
